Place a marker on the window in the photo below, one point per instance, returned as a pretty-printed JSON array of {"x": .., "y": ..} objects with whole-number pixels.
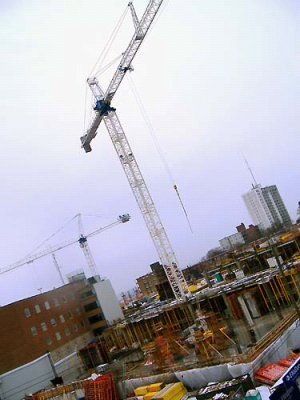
[
  {"x": 37, "y": 308},
  {"x": 86, "y": 295},
  {"x": 49, "y": 341},
  {"x": 75, "y": 326},
  {"x": 47, "y": 305},
  {"x": 33, "y": 331},
  {"x": 67, "y": 332},
  {"x": 70, "y": 315},
  {"x": 44, "y": 326},
  {"x": 64, "y": 299},
  {"x": 27, "y": 312},
  {"x": 53, "y": 321},
  {"x": 62, "y": 318},
  {"x": 90, "y": 306},
  {"x": 95, "y": 318},
  {"x": 56, "y": 302},
  {"x": 58, "y": 336}
]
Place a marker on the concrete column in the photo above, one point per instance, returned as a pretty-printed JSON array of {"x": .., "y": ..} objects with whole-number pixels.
[
  {"x": 245, "y": 311},
  {"x": 229, "y": 316},
  {"x": 273, "y": 305},
  {"x": 206, "y": 276}
]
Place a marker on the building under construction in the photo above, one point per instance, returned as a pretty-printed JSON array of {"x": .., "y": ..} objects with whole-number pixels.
[{"x": 245, "y": 297}]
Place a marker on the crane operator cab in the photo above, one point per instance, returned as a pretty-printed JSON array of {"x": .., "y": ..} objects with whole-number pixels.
[
  {"x": 103, "y": 107},
  {"x": 82, "y": 240}
]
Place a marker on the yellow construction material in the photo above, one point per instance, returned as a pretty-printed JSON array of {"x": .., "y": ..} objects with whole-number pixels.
[
  {"x": 140, "y": 391},
  {"x": 193, "y": 288},
  {"x": 173, "y": 391},
  {"x": 149, "y": 395},
  {"x": 155, "y": 387}
]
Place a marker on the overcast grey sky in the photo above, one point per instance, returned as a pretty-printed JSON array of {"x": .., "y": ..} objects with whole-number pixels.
[{"x": 219, "y": 80}]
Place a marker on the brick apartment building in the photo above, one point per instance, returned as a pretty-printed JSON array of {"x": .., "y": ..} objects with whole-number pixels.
[
  {"x": 156, "y": 282},
  {"x": 60, "y": 321},
  {"x": 147, "y": 284}
]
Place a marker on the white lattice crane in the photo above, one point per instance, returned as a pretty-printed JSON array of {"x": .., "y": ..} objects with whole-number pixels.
[
  {"x": 82, "y": 243},
  {"x": 104, "y": 111}
]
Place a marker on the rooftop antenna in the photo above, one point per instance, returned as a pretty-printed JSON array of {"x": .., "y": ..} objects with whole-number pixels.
[{"x": 251, "y": 172}]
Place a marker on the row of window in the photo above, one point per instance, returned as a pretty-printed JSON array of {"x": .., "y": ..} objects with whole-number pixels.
[
  {"x": 67, "y": 331},
  {"x": 61, "y": 318},
  {"x": 37, "y": 309}
]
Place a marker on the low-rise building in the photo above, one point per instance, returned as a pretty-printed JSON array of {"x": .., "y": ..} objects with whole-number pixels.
[
  {"x": 59, "y": 321},
  {"x": 250, "y": 234},
  {"x": 147, "y": 284},
  {"x": 49, "y": 322},
  {"x": 231, "y": 241}
]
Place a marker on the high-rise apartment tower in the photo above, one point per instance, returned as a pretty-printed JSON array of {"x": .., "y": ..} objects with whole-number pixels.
[{"x": 266, "y": 207}]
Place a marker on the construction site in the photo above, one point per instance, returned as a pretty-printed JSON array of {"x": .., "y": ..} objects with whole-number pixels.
[
  {"x": 240, "y": 330},
  {"x": 225, "y": 328}
]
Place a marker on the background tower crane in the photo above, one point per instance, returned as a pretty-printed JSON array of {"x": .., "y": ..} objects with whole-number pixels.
[
  {"x": 103, "y": 110},
  {"x": 82, "y": 243}
]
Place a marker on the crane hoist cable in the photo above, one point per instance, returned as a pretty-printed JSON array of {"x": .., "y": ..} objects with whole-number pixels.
[
  {"x": 157, "y": 146},
  {"x": 109, "y": 43},
  {"x": 47, "y": 239},
  {"x": 103, "y": 69},
  {"x": 100, "y": 60}
]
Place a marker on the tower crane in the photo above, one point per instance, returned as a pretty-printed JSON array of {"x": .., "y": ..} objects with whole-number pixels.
[
  {"x": 82, "y": 243},
  {"x": 104, "y": 111}
]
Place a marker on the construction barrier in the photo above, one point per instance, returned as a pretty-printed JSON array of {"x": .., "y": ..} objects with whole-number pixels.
[{"x": 102, "y": 388}]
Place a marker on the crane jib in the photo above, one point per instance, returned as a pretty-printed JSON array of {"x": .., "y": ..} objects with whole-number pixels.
[{"x": 141, "y": 28}]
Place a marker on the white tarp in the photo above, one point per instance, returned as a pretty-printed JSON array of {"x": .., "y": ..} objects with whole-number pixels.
[
  {"x": 36, "y": 375},
  {"x": 70, "y": 368},
  {"x": 28, "y": 378}
]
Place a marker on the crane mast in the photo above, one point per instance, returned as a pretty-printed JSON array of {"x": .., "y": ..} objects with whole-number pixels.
[
  {"x": 146, "y": 205},
  {"x": 130, "y": 166},
  {"x": 83, "y": 243},
  {"x": 57, "y": 268}
]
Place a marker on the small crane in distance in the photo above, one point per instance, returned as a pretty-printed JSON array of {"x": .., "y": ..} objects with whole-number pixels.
[
  {"x": 104, "y": 111},
  {"x": 82, "y": 243}
]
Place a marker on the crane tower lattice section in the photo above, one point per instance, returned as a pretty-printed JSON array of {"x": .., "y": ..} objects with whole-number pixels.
[{"x": 146, "y": 205}]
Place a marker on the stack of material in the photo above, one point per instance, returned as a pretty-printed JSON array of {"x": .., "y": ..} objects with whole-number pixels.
[
  {"x": 288, "y": 361},
  {"x": 270, "y": 374},
  {"x": 148, "y": 392},
  {"x": 102, "y": 388},
  {"x": 152, "y": 390},
  {"x": 140, "y": 391},
  {"x": 172, "y": 391},
  {"x": 61, "y": 391},
  {"x": 225, "y": 389}
]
